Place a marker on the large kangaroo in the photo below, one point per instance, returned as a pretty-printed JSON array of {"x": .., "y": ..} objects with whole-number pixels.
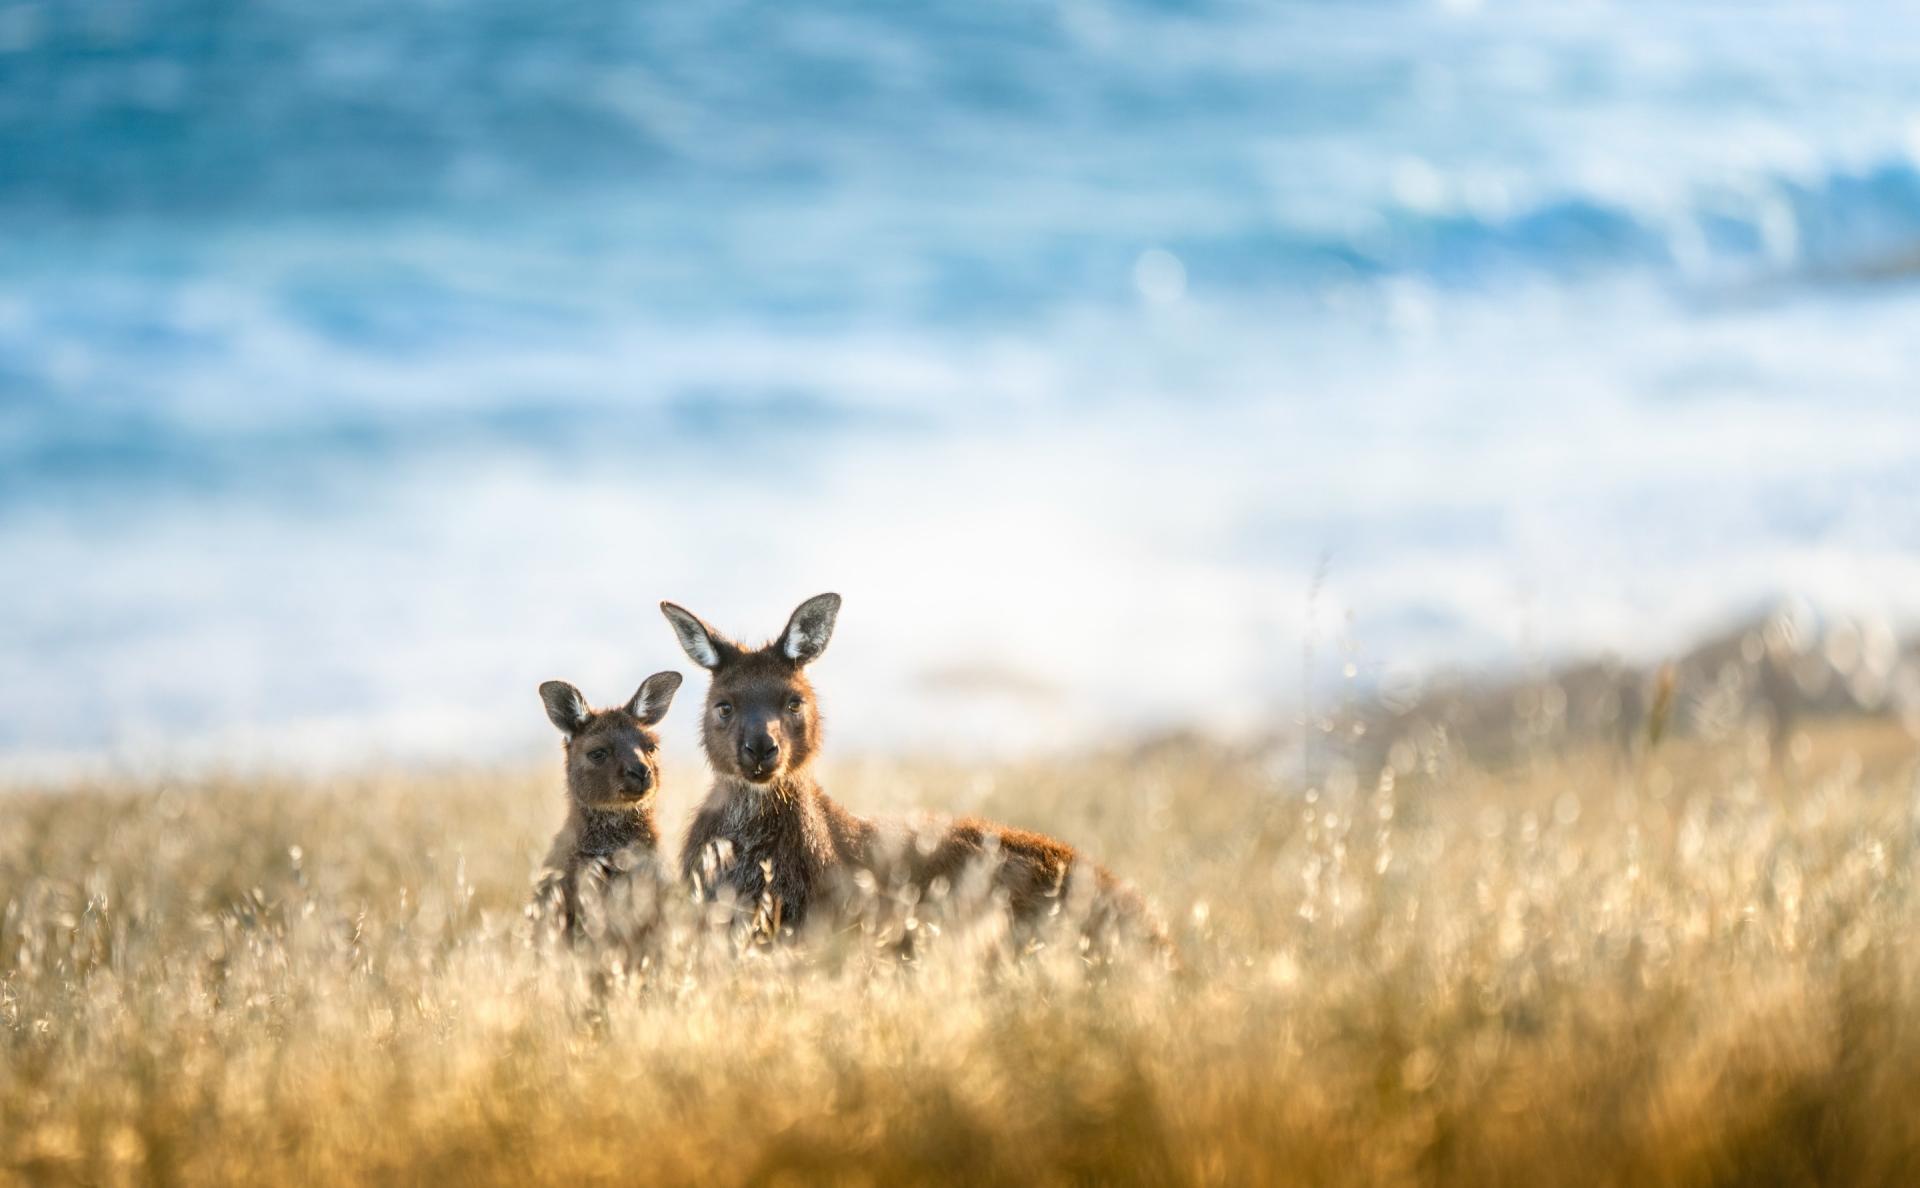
[
  {"x": 606, "y": 855},
  {"x": 783, "y": 845}
]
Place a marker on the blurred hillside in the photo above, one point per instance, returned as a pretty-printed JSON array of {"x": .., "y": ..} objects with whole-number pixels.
[{"x": 1765, "y": 683}]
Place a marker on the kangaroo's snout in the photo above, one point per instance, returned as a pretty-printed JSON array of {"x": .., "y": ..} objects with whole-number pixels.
[
  {"x": 760, "y": 755},
  {"x": 638, "y": 776}
]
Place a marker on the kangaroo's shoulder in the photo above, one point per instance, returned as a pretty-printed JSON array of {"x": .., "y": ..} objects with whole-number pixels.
[{"x": 853, "y": 836}]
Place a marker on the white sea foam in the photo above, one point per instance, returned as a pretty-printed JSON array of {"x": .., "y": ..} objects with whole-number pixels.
[{"x": 1518, "y": 485}]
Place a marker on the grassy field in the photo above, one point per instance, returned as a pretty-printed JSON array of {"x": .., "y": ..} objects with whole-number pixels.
[{"x": 1686, "y": 968}]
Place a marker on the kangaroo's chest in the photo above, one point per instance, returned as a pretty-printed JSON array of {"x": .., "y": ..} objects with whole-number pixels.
[
  {"x": 761, "y": 850},
  {"x": 770, "y": 861}
]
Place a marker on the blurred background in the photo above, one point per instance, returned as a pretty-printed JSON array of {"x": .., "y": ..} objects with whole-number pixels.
[{"x": 1126, "y": 366}]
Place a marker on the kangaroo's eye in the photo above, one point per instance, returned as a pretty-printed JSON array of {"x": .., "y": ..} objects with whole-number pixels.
[
  {"x": 723, "y": 710},
  {"x": 598, "y": 754},
  {"x": 795, "y": 705}
]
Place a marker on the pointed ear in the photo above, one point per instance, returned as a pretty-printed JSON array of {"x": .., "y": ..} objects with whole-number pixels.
[
  {"x": 565, "y": 707},
  {"x": 696, "y": 638},
  {"x": 655, "y": 695},
  {"x": 810, "y": 628}
]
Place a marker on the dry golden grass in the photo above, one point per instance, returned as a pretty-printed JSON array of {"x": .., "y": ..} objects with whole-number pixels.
[{"x": 1685, "y": 970}]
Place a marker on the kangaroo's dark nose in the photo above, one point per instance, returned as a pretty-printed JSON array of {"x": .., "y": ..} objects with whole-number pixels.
[
  {"x": 638, "y": 774},
  {"x": 759, "y": 752}
]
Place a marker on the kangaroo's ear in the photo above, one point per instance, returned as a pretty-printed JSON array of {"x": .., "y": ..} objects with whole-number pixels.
[
  {"x": 651, "y": 699},
  {"x": 810, "y": 628},
  {"x": 699, "y": 641},
  {"x": 565, "y": 707}
]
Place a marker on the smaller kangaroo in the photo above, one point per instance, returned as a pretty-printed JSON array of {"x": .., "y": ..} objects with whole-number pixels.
[
  {"x": 783, "y": 845},
  {"x": 606, "y": 856}
]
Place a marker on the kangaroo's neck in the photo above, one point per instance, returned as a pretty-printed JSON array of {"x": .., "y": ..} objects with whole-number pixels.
[
  {"x": 795, "y": 793},
  {"x": 790, "y": 810},
  {"x": 602, "y": 831}
]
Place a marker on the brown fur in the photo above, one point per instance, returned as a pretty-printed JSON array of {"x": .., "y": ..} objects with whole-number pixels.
[
  {"x": 771, "y": 835},
  {"x": 603, "y": 873}
]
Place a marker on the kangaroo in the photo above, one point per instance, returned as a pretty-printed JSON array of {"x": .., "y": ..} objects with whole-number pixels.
[
  {"x": 769, "y": 832},
  {"x": 606, "y": 854}
]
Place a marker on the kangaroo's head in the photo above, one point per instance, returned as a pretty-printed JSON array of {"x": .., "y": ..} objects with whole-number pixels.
[
  {"x": 761, "y": 721},
  {"x": 612, "y": 754}
]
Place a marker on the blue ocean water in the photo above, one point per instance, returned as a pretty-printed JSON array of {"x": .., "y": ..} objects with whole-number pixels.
[{"x": 362, "y": 365}]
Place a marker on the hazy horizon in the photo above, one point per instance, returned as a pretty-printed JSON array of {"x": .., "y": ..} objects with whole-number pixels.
[{"x": 360, "y": 369}]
